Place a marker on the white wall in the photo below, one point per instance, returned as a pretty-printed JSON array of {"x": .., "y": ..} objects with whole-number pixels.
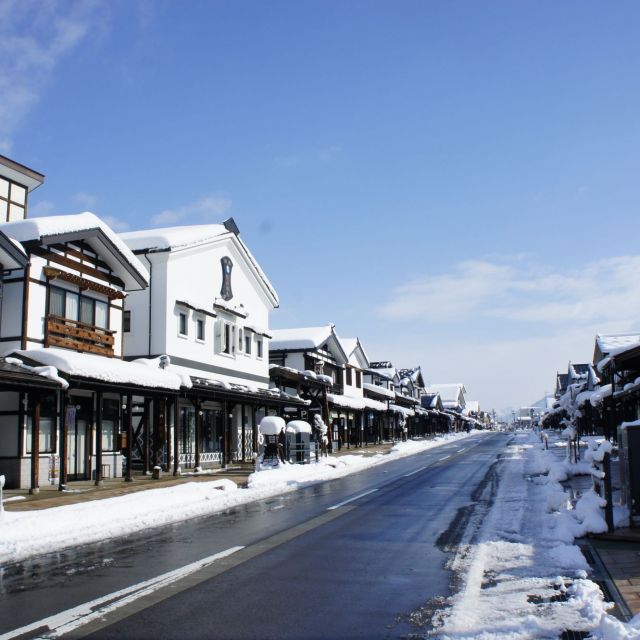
[{"x": 195, "y": 275}]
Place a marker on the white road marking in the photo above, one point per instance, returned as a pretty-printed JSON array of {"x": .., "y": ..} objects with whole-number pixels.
[
  {"x": 406, "y": 475},
  {"x": 66, "y": 621},
  {"x": 461, "y": 450},
  {"x": 445, "y": 457},
  {"x": 341, "y": 504}
]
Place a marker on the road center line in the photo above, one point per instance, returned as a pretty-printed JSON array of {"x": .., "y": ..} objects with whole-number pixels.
[
  {"x": 66, "y": 621},
  {"x": 406, "y": 475},
  {"x": 340, "y": 504},
  {"x": 445, "y": 457},
  {"x": 461, "y": 450}
]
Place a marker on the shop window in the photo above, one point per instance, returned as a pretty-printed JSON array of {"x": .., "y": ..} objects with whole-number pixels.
[
  {"x": 48, "y": 419},
  {"x": 110, "y": 415}
]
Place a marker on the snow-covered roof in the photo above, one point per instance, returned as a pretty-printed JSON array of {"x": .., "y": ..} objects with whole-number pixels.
[
  {"x": 377, "y": 389},
  {"x": 188, "y": 236},
  {"x": 349, "y": 345},
  {"x": 449, "y": 393},
  {"x": 93, "y": 231},
  {"x": 304, "y": 338},
  {"x": 473, "y": 406},
  {"x": 414, "y": 374},
  {"x": 614, "y": 341},
  {"x": 173, "y": 238},
  {"x": 430, "y": 400},
  {"x": 142, "y": 372}
]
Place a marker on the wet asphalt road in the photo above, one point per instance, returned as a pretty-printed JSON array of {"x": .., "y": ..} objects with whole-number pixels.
[{"x": 307, "y": 570}]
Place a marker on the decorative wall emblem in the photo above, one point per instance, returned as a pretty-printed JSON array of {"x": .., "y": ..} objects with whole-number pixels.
[{"x": 225, "y": 292}]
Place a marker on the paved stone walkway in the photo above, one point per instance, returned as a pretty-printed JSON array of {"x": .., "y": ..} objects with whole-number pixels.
[
  {"x": 618, "y": 551},
  {"x": 86, "y": 490}
]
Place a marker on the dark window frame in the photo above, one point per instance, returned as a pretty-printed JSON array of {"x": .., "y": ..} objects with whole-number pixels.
[{"x": 81, "y": 298}]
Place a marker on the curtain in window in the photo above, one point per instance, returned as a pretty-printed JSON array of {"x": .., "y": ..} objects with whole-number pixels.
[
  {"x": 86, "y": 310},
  {"x": 56, "y": 302},
  {"x": 71, "y": 310},
  {"x": 102, "y": 315}
]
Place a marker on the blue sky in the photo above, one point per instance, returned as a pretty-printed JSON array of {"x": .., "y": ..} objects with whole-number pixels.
[{"x": 454, "y": 182}]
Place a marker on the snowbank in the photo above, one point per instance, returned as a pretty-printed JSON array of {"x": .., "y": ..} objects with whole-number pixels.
[{"x": 30, "y": 533}]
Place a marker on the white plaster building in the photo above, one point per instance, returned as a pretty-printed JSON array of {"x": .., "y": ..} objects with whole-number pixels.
[{"x": 206, "y": 312}]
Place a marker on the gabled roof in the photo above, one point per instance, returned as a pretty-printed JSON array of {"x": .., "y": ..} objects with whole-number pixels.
[
  {"x": 384, "y": 368},
  {"x": 414, "y": 374},
  {"x": 20, "y": 173},
  {"x": 473, "y": 406},
  {"x": 83, "y": 226},
  {"x": 431, "y": 401},
  {"x": 451, "y": 394},
  {"x": 12, "y": 255},
  {"x": 613, "y": 344},
  {"x": 351, "y": 347},
  {"x": 189, "y": 236},
  {"x": 310, "y": 338}
]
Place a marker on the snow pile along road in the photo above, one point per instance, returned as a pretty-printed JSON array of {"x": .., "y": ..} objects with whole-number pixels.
[
  {"x": 31, "y": 533},
  {"x": 521, "y": 574}
]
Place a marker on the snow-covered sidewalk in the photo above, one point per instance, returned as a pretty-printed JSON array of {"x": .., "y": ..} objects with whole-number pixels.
[
  {"x": 521, "y": 574},
  {"x": 30, "y": 533}
]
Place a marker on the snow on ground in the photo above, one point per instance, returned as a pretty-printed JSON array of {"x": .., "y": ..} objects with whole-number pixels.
[
  {"x": 29, "y": 533},
  {"x": 521, "y": 575}
]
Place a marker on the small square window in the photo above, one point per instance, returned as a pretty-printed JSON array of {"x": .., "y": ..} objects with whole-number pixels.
[
  {"x": 200, "y": 329},
  {"x": 182, "y": 324}
]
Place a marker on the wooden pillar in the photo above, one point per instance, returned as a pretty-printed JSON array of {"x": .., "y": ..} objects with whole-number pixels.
[
  {"x": 176, "y": 436},
  {"x": 243, "y": 417},
  {"x": 145, "y": 437},
  {"x": 65, "y": 417},
  {"x": 159, "y": 425},
  {"x": 254, "y": 431},
  {"x": 225, "y": 434},
  {"x": 167, "y": 432},
  {"x": 99, "y": 438},
  {"x": 198, "y": 410},
  {"x": 129, "y": 447},
  {"x": 35, "y": 446}
]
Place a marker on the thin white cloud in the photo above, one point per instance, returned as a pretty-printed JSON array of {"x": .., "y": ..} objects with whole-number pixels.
[
  {"x": 34, "y": 36},
  {"x": 86, "y": 199},
  {"x": 599, "y": 291},
  {"x": 41, "y": 208},
  {"x": 207, "y": 209}
]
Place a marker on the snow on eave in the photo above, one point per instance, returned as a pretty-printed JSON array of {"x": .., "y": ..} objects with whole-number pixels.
[
  {"x": 86, "y": 226},
  {"x": 143, "y": 372},
  {"x": 305, "y": 338},
  {"x": 607, "y": 343},
  {"x": 382, "y": 391}
]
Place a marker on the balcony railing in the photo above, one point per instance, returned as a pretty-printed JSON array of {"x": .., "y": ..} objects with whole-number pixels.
[{"x": 76, "y": 335}]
